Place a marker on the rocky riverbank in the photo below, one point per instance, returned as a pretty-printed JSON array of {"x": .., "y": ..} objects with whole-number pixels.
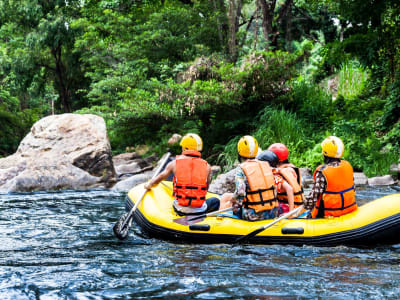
[
  {"x": 67, "y": 151},
  {"x": 72, "y": 151}
]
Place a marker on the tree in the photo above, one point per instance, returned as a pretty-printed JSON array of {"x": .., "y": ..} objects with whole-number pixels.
[{"x": 42, "y": 51}]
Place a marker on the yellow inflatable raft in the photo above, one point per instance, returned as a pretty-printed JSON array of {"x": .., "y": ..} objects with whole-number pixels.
[{"x": 372, "y": 224}]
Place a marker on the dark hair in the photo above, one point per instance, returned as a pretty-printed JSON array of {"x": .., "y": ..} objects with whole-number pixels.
[
  {"x": 269, "y": 156},
  {"x": 328, "y": 160},
  {"x": 242, "y": 158}
]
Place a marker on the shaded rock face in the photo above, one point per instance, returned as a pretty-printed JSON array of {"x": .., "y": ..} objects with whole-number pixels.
[
  {"x": 129, "y": 164},
  {"x": 224, "y": 183},
  {"x": 306, "y": 177},
  {"x": 360, "y": 179},
  {"x": 381, "y": 180},
  {"x": 66, "y": 151}
]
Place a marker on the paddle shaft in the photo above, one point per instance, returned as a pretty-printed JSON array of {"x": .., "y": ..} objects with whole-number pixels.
[
  {"x": 145, "y": 190},
  {"x": 210, "y": 214},
  {"x": 257, "y": 231}
]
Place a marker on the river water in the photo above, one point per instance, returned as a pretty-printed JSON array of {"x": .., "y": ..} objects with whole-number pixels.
[{"x": 61, "y": 246}]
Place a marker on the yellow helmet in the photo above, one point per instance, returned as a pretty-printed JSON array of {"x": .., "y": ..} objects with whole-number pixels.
[
  {"x": 332, "y": 146},
  {"x": 191, "y": 141},
  {"x": 247, "y": 146}
]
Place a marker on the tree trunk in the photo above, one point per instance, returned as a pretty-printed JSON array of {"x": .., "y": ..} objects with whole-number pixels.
[
  {"x": 219, "y": 25},
  {"x": 249, "y": 22},
  {"x": 267, "y": 9},
  {"x": 62, "y": 85},
  {"x": 256, "y": 24},
  {"x": 235, "y": 9},
  {"x": 289, "y": 26}
]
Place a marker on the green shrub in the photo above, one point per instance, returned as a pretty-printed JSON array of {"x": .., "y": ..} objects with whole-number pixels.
[{"x": 352, "y": 79}]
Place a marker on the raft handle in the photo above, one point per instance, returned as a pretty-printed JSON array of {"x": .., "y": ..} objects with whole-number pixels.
[
  {"x": 298, "y": 230},
  {"x": 200, "y": 227}
]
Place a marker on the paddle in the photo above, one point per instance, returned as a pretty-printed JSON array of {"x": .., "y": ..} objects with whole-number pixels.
[
  {"x": 121, "y": 228},
  {"x": 189, "y": 220},
  {"x": 245, "y": 238}
]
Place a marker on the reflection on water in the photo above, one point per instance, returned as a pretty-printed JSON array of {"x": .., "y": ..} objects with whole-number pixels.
[{"x": 60, "y": 246}]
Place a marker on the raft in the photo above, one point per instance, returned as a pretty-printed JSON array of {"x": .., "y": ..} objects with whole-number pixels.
[{"x": 372, "y": 224}]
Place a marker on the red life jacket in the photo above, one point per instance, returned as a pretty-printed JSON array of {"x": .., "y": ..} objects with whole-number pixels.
[
  {"x": 292, "y": 175},
  {"x": 260, "y": 193},
  {"x": 190, "y": 180},
  {"x": 339, "y": 196}
]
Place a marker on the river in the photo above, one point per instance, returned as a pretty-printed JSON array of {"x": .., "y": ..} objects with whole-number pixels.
[{"x": 60, "y": 245}]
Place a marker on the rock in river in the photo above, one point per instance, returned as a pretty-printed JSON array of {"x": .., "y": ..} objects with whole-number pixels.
[{"x": 68, "y": 151}]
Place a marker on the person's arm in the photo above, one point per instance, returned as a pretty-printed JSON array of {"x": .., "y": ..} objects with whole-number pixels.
[
  {"x": 290, "y": 195},
  {"x": 240, "y": 190},
  {"x": 208, "y": 176},
  {"x": 316, "y": 191},
  {"x": 162, "y": 176}
]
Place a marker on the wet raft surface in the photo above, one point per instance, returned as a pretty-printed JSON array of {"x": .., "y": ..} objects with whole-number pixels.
[{"x": 60, "y": 246}]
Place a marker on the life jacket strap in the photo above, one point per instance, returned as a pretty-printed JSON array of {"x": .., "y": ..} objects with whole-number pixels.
[
  {"x": 190, "y": 198},
  {"x": 297, "y": 193},
  {"x": 191, "y": 187},
  {"x": 341, "y": 195},
  {"x": 333, "y": 209},
  {"x": 287, "y": 202},
  {"x": 262, "y": 201},
  {"x": 341, "y": 192}
]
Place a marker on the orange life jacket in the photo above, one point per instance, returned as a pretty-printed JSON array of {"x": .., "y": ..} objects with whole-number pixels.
[
  {"x": 260, "y": 192},
  {"x": 292, "y": 175},
  {"x": 339, "y": 196},
  {"x": 190, "y": 180}
]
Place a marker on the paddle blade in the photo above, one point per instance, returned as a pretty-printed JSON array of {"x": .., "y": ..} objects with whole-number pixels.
[
  {"x": 189, "y": 220},
  {"x": 244, "y": 239},
  {"x": 120, "y": 231}
]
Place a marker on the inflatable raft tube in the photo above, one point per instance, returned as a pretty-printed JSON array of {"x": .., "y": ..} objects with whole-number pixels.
[{"x": 372, "y": 224}]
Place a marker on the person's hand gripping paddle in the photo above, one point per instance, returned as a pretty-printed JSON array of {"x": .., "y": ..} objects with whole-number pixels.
[{"x": 121, "y": 228}]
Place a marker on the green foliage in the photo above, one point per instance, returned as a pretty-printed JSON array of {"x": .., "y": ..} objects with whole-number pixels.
[
  {"x": 352, "y": 79},
  {"x": 310, "y": 102},
  {"x": 154, "y": 68}
]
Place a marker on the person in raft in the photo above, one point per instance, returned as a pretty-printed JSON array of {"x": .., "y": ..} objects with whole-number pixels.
[
  {"x": 333, "y": 192},
  {"x": 290, "y": 174},
  {"x": 191, "y": 177},
  {"x": 255, "y": 193},
  {"x": 283, "y": 188}
]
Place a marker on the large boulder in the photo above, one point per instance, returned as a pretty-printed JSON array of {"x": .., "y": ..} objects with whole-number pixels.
[
  {"x": 306, "y": 177},
  {"x": 360, "y": 179},
  {"x": 130, "y": 164},
  {"x": 67, "y": 151},
  {"x": 224, "y": 183},
  {"x": 126, "y": 184},
  {"x": 381, "y": 180}
]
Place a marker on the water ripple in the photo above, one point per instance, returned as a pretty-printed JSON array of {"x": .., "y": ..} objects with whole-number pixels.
[{"x": 59, "y": 245}]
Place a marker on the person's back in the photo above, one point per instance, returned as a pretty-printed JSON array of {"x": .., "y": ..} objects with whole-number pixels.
[
  {"x": 333, "y": 192},
  {"x": 255, "y": 190},
  {"x": 290, "y": 173},
  {"x": 339, "y": 196},
  {"x": 190, "y": 182},
  {"x": 284, "y": 190},
  {"x": 191, "y": 177}
]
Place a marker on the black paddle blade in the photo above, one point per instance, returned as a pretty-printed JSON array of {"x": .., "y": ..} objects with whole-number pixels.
[
  {"x": 244, "y": 239},
  {"x": 189, "y": 220},
  {"x": 122, "y": 232}
]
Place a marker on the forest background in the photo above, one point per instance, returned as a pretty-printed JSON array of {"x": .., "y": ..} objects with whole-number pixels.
[{"x": 290, "y": 71}]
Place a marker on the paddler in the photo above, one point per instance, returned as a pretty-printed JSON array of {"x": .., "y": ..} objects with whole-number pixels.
[
  {"x": 284, "y": 189},
  {"x": 291, "y": 174},
  {"x": 255, "y": 194},
  {"x": 333, "y": 192},
  {"x": 191, "y": 178}
]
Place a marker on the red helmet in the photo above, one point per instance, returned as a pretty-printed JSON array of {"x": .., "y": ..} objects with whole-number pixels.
[{"x": 280, "y": 150}]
